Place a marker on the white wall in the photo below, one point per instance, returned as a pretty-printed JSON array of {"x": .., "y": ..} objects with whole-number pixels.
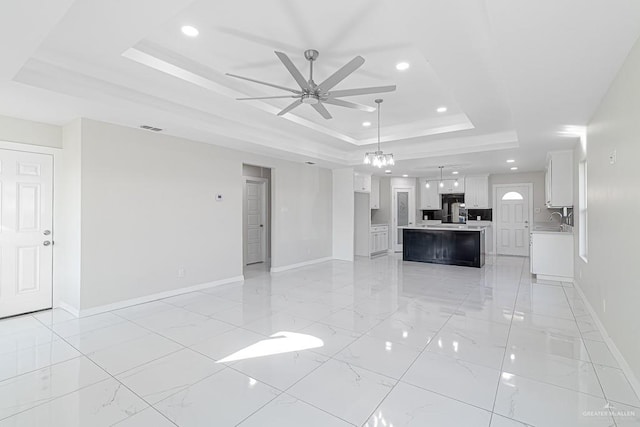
[
  {"x": 343, "y": 214},
  {"x": 149, "y": 208},
  {"x": 537, "y": 179},
  {"x": 29, "y": 132},
  {"x": 610, "y": 277},
  {"x": 362, "y": 223},
  {"x": 67, "y": 230}
]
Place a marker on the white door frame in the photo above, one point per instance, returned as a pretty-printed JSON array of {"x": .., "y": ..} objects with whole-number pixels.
[
  {"x": 56, "y": 153},
  {"x": 265, "y": 230},
  {"x": 529, "y": 186},
  {"x": 394, "y": 214}
]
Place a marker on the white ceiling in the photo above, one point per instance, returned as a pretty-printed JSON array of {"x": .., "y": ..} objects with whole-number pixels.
[{"x": 514, "y": 74}]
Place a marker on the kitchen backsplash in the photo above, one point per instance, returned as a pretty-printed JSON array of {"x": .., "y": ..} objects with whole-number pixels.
[
  {"x": 484, "y": 214},
  {"x": 473, "y": 214},
  {"x": 431, "y": 214}
]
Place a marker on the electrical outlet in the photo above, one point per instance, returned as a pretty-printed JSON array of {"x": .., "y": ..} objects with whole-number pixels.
[{"x": 181, "y": 272}]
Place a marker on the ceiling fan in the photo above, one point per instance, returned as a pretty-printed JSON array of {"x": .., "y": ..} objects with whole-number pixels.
[{"x": 318, "y": 94}]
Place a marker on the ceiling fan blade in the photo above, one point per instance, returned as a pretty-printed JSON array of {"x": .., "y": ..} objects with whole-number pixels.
[
  {"x": 290, "y": 107},
  {"x": 322, "y": 110},
  {"x": 266, "y": 97},
  {"x": 341, "y": 74},
  {"x": 361, "y": 91},
  {"x": 347, "y": 104},
  {"x": 297, "y": 75},
  {"x": 265, "y": 83}
]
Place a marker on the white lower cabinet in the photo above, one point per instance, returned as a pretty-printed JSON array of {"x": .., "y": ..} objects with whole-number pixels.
[
  {"x": 552, "y": 256},
  {"x": 379, "y": 239}
]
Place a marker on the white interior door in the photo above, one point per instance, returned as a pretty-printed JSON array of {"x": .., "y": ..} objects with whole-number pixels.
[
  {"x": 255, "y": 218},
  {"x": 512, "y": 222},
  {"x": 26, "y": 218},
  {"x": 402, "y": 213}
]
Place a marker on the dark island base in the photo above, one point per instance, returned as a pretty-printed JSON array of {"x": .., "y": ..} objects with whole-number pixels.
[{"x": 459, "y": 247}]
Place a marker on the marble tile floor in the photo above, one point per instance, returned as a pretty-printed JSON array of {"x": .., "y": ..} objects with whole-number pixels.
[{"x": 374, "y": 343}]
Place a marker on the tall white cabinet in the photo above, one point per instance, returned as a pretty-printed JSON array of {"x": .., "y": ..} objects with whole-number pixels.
[
  {"x": 476, "y": 195},
  {"x": 559, "y": 179},
  {"x": 429, "y": 197},
  {"x": 361, "y": 182},
  {"x": 375, "y": 192}
]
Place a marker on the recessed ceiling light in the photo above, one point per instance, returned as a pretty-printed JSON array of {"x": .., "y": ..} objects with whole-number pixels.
[
  {"x": 366, "y": 124},
  {"x": 387, "y": 171},
  {"x": 442, "y": 109},
  {"x": 510, "y": 161},
  {"x": 515, "y": 168},
  {"x": 401, "y": 66},
  {"x": 190, "y": 31},
  {"x": 405, "y": 176},
  {"x": 455, "y": 172}
]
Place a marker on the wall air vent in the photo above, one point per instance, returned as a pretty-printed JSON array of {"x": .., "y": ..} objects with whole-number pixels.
[{"x": 152, "y": 128}]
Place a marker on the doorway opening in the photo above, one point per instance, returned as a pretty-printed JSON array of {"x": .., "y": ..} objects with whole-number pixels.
[{"x": 256, "y": 220}]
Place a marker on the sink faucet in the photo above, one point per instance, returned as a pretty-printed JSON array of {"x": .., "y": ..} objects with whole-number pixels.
[{"x": 555, "y": 213}]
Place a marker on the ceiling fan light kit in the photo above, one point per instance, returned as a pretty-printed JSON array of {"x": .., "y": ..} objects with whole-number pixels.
[
  {"x": 314, "y": 94},
  {"x": 378, "y": 158}
]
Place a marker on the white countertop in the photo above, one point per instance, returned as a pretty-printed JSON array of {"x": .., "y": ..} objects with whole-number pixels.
[
  {"x": 448, "y": 227},
  {"x": 551, "y": 229},
  {"x": 567, "y": 233}
]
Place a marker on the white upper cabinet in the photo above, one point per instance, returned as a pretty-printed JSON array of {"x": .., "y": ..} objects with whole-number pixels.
[
  {"x": 375, "y": 192},
  {"x": 429, "y": 197},
  {"x": 559, "y": 179},
  {"x": 451, "y": 186},
  {"x": 361, "y": 182},
  {"x": 476, "y": 195}
]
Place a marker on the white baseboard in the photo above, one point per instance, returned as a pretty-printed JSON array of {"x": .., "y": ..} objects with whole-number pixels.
[
  {"x": 300, "y": 264},
  {"x": 555, "y": 278},
  {"x": 633, "y": 380},
  {"x": 68, "y": 307},
  {"x": 153, "y": 297}
]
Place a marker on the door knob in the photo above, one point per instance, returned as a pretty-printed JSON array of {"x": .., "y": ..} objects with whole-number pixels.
[
  {"x": 46, "y": 232},
  {"x": 46, "y": 243},
  {"x": 261, "y": 225}
]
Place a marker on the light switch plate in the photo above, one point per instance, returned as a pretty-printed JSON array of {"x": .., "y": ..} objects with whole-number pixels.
[
  {"x": 613, "y": 157},
  {"x": 219, "y": 197}
]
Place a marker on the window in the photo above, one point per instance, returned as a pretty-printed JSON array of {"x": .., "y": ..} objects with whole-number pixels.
[
  {"x": 512, "y": 195},
  {"x": 583, "y": 240}
]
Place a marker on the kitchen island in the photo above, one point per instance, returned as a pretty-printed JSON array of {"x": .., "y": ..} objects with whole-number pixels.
[{"x": 444, "y": 244}]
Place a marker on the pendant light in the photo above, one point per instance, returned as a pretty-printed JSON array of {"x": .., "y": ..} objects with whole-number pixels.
[
  {"x": 378, "y": 158},
  {"x": 441, "y": 181}
]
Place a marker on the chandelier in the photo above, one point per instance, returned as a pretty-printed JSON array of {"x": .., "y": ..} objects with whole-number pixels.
[{"x": 378, "y": 158}]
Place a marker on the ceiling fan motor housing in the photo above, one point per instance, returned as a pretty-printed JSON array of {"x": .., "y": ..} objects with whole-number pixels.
[{"x": 310, "y": 98}]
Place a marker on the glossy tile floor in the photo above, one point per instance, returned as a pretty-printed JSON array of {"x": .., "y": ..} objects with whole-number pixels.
[{"x": 372, "y": 343}]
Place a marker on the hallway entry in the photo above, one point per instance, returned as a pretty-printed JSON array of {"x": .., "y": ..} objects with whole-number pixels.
[{"x": 256, "y": 219}]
